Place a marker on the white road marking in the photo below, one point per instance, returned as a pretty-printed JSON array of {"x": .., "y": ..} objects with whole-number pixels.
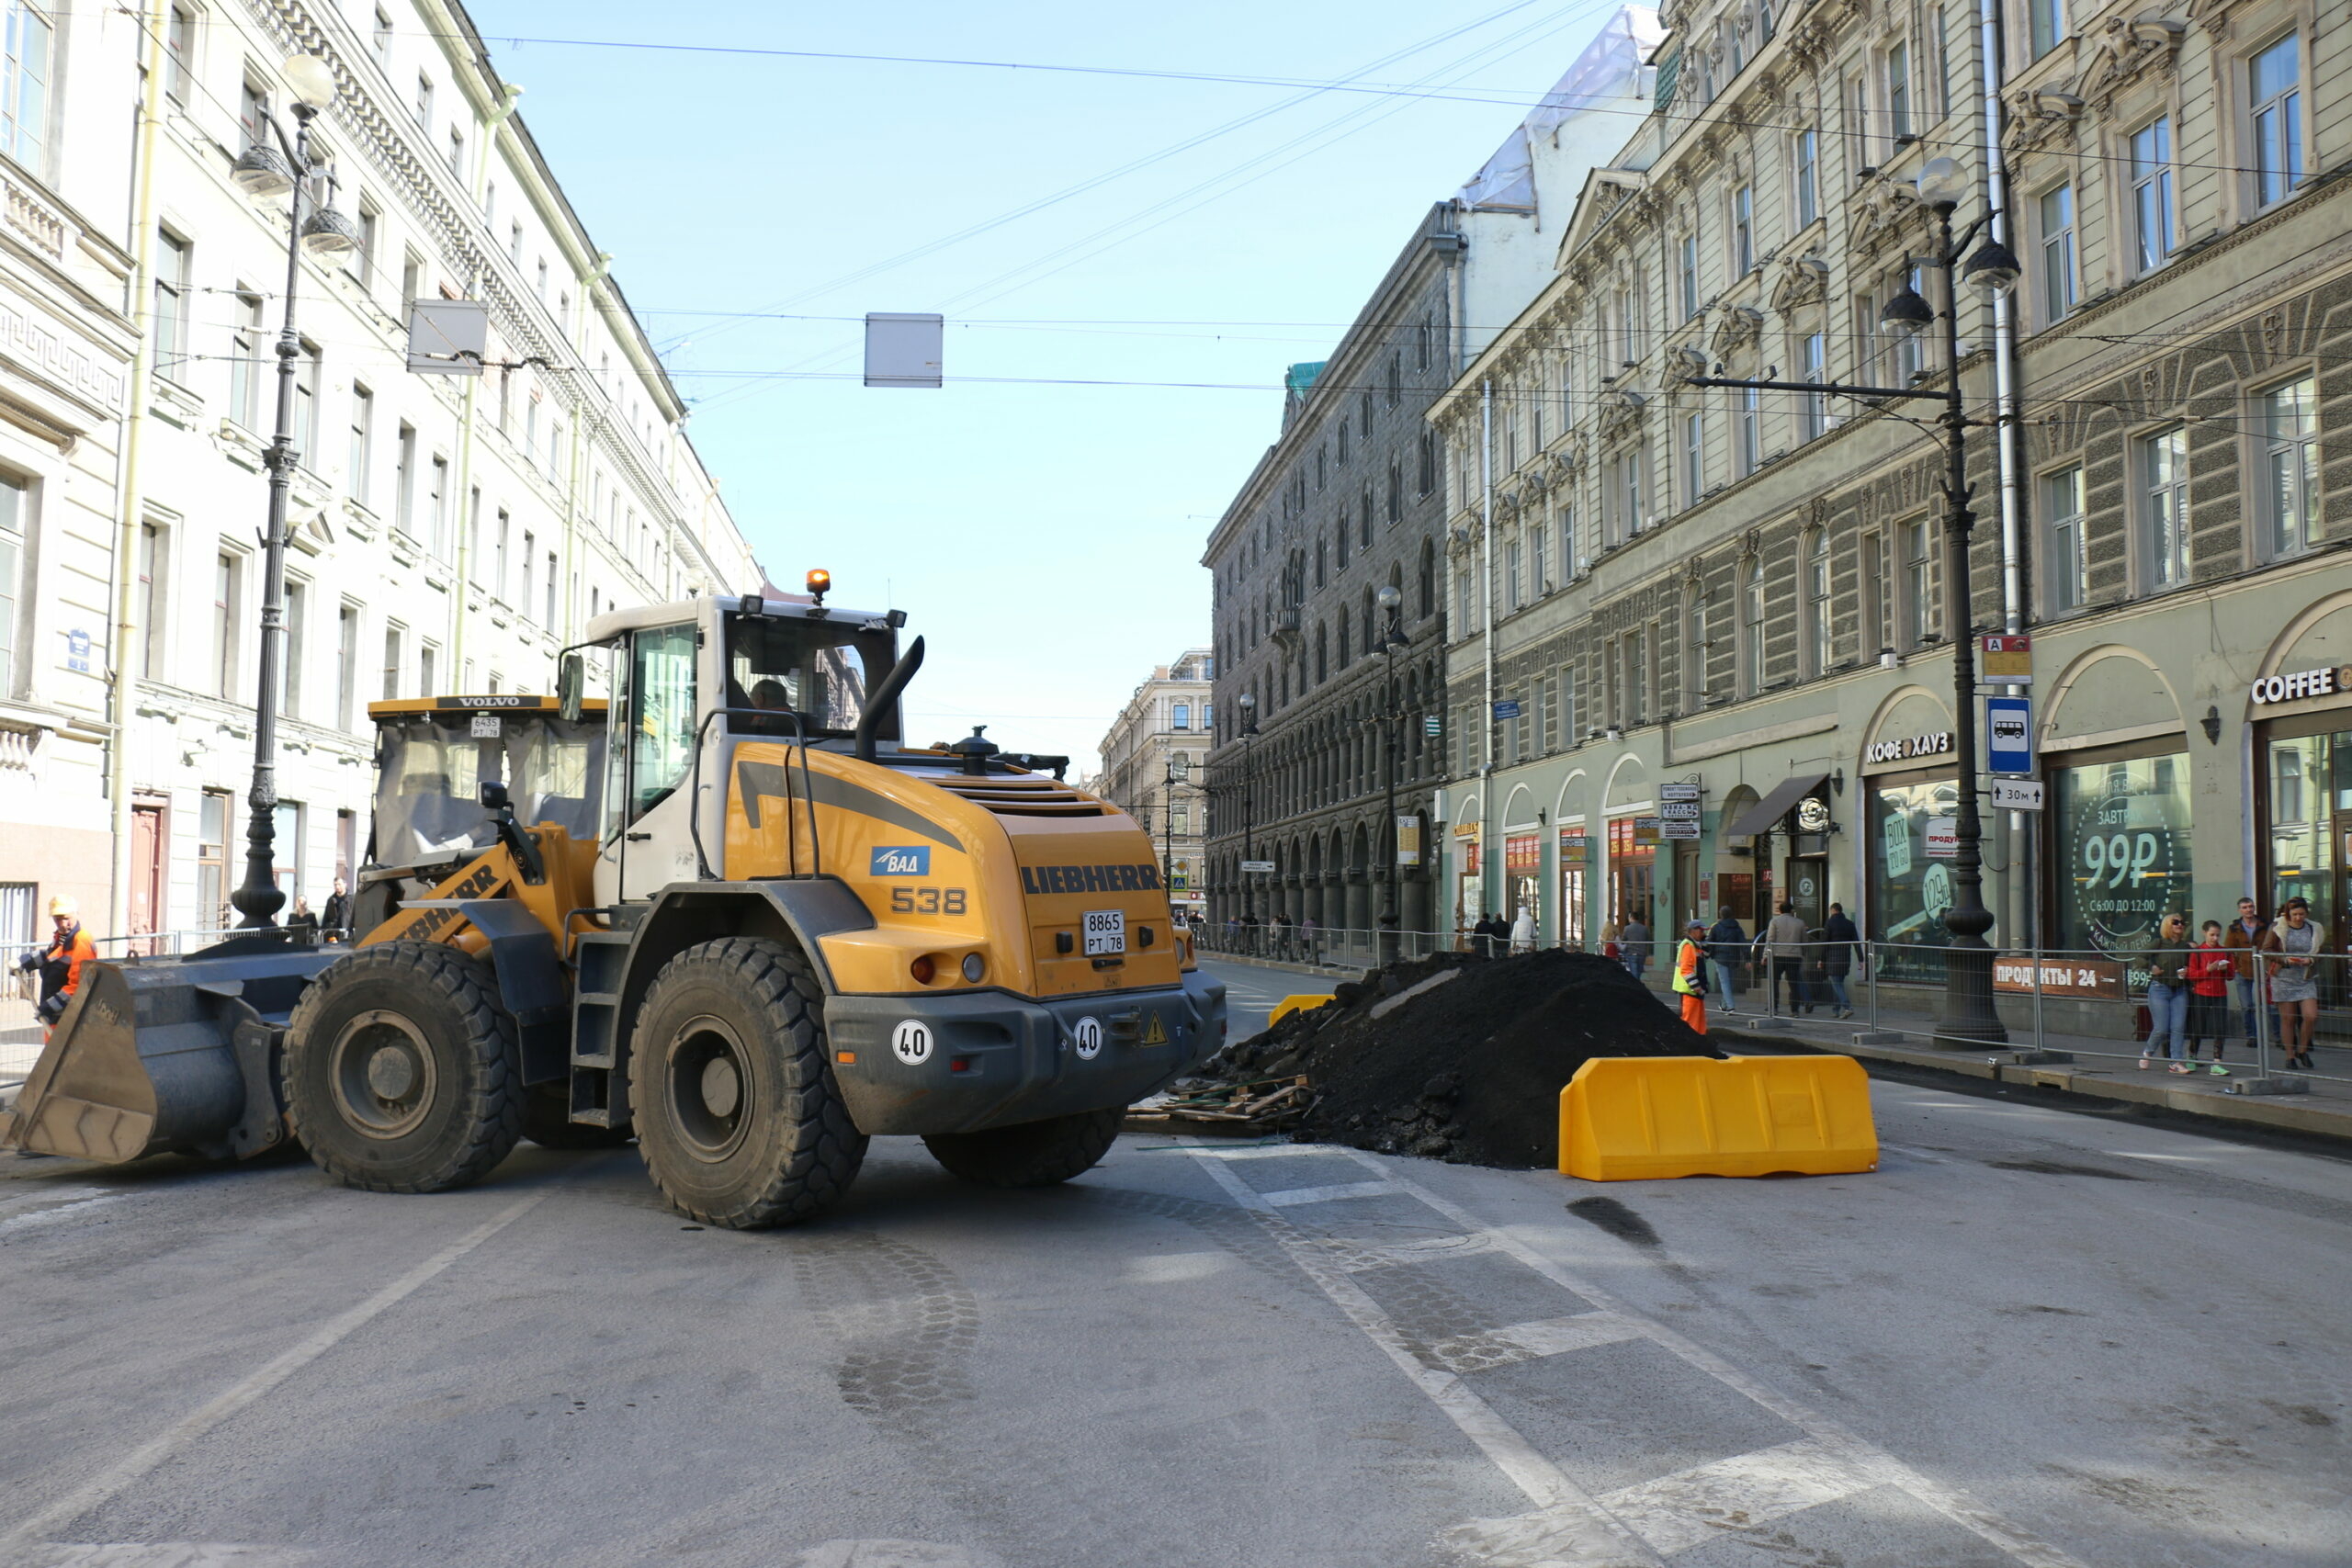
[
  {"x": 170, "y": 1554},
  {"x": 1922, "y": 1155},
  {"x": 1253, "y": 1151},
  {"x": 61, "y": 1212},
  {"x": 149, "y": 1455},
  {"x": 1175, "y": 1267},
  {"x": 1861, "y": 1456},
  {"x": 34, "y": 1196},
  {"x": 1295, "y": 1196},
  {"x": 1694, "y": 1506},
  {"x": 1530, "y": 1341},
  {"x": 1579, "y": 1534}
]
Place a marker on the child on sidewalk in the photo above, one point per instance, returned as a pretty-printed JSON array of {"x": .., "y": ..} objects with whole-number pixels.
[{"x": 2209, "y": 969}]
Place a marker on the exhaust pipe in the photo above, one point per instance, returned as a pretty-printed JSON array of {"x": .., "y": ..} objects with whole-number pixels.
[
  {"x": 159, "y": 1055},
  {"x": 880, "y": 700}
]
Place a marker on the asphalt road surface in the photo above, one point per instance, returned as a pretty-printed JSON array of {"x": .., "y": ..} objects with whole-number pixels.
[{"x": 2032, "y": 1337}]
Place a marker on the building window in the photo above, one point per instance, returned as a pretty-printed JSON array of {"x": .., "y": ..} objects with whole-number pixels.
[
  {"x": 360, "y": 262},
  {"x": 171, "y": 303},
  {"x": 13, "y": 532},
  {"x": 1808, "y": 176},
  {"x": 291, "y": 652},
  {"x": 1877, "y": 600},
  {"x": 2291, "y": 467},
  {"x": 247, "y": 376},
  {"x": 1918, "y": 584},
  {"x": 1743, "y": 230},
  {"x": 428, "y": 660},
  {"x": 363, "y": 441},
  {"x": 2059, "y": 280},
  {"x": 1396, "y": 496},
  {"x": 1751, "y": 627},
  {"x": 2045, "y": 25},
  {"x": 438, "y": 511},
  {"x": 1512, "y": 596},
  {"x": 2164, "y": 490},
  {"x": 1427, "y": 476},
  {"x": 2152, "y": 224},
  {"x": 1819, "y": 625},
  {"x": 1911, "y": 351},
  {"x": 228, "y": 621},
  {"x": 2068, "y": 571},
  {"x": 1813, "y": 365},
  {"x": 2277, "y": 121},
  {"x": 179, "y": 54},
  {"x": 1363, "y": 520},
  {"x": 381, "y": 35},
  {"x": 1690, "y": 274},
  {"x": 306, "y": 405},
  {"x": 548, "y": 589},
  {"x": 154, "y": 563},
  {"x": 1339, "y": 442},
  {"x": 1750, "y": 438},
  {"x": 1537, "y": 576},
  {"x": 1898, "y": 90},
  {"x": 346, "y": 661},
  {"x": 424, "y": 100},
  {"x": 1395, "y": 377},
  {"x": 392, "y": 636},
  {"x": 1695, "y": 456},
  {"x": 1463, "y": 625},
  {"x": 212, "y": 816},
  {"x": 1182, "y": 716}
]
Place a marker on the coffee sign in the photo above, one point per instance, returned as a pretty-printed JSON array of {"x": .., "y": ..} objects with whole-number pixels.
[
  {"x": 2324, "y": 681},
  {"x": 1933, "y": 744}
]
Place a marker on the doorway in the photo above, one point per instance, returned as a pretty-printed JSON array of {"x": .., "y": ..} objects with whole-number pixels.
[{"x": 1809, "y": 890}]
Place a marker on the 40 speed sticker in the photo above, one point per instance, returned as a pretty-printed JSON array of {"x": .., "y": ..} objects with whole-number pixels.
[
  {"x": 1088, "y": 1033},
  {"x": 911, "y": 1041}
]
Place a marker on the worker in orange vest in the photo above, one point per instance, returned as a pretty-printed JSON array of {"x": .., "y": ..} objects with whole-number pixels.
[
  {"x": 60, "y": 965},
  {"x": 1690, "y": 975}
]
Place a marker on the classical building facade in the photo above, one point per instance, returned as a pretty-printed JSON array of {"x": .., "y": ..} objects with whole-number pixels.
[
  {"x": 1736, "y": 598},
  {"x": 446, "y": 532},
  {"x": 1154, "y": 758},
  {"x": 1315, "y": 680}
]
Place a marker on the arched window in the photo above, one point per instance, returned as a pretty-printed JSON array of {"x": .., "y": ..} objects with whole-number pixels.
[
  {"x": 1322, "y": 665},
  {"x": 1343, "y": 636},
  {"x": 1751, "y": 629},
  {"x": 1370, "y": 624},
  {"x": 1429, "y": 580}
]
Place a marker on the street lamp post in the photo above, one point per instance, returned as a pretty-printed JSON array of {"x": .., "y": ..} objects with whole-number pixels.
[
  {"x": 1392, "y": 638},
  {"x": 268, "y": 169},
  {"x": 1249, "y": 704},
  {"x": 1970, "y": 1017}
]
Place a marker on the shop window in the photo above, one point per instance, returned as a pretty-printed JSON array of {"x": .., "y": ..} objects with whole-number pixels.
[
  {"x": 2066, "y": 567},
  {"x": 1910, "y": 890},
  {"x": 2289, "y": 496},
  {"x": 2119, "y": 850}
]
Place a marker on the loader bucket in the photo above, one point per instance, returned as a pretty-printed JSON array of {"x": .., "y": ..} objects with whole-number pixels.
[{"x": 157, "y": 1054}]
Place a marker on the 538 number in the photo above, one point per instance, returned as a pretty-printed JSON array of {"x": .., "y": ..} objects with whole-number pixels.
[{"x": 927, "y": 900}]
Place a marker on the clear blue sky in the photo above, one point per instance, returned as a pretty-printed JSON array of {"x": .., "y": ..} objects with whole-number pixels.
[{"x": 1045, "y": 538}]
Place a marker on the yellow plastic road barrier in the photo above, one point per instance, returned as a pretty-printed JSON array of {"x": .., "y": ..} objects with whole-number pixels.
[
  {"x": 1630, "y": 1118},
  {"x": 1289, "y": 1005}
]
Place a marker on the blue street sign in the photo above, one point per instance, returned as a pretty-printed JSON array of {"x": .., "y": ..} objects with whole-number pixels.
[
  {"x": 2008, "y": 735},
  {"x": 1507, "y": 708}
]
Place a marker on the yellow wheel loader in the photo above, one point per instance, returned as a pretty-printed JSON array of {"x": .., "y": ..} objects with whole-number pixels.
[{"x": 730, "y": 913}]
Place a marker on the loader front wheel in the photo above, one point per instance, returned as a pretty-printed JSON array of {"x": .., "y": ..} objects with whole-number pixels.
[
  {"x": 738, "y": 1117},
  {"x": 1031, "y": 1154},
  {"x": 402, "y": 1073}
]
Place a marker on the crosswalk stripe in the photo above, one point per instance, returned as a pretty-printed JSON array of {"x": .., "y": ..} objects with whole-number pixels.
[
  {"x": 1292, "y": 1197},
  {"x": 1694, "y": 1506}
]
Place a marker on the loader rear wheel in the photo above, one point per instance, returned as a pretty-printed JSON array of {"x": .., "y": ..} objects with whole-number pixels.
[
  {"x": 738, "y": 1116},
  {"x": 547, "y": 1122},
  {"x": 402, "y": 1070},
  {"x": 1031, "y": 1154}
]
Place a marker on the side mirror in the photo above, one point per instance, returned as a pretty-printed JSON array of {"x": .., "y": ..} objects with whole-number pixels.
[
  {"x": 570, "y": 680},
  {"x": 494, "y": 796}
]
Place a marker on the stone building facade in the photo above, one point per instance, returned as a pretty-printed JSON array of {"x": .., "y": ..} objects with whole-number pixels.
[
  {"x": 1350, "y": 501},
  {"x": 1737, "y": 596},
  {"x": 446, "y": 532},
  {"x": 1154, "y": 768}
]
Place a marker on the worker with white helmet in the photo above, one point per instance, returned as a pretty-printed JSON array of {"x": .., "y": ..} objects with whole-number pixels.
[{"x": 61, "y": 964}]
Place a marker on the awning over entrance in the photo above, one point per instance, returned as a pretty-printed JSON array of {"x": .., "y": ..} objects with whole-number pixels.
[{"x": 1766, "y": 813}]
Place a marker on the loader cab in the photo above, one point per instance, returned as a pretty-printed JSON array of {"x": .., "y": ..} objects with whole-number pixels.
[{"x": 688, "y": 679}]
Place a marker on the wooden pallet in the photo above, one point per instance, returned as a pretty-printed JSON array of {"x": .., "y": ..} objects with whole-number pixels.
[{"x": 1267, "y": 1106}]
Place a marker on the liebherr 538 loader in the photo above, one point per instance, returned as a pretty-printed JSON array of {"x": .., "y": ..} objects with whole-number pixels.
[{"x": 729, "y": 913}]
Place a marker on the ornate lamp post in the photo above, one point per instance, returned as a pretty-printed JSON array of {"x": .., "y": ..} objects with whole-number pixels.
[
  {"x": 1249, "y": 705},
  {"x": 1392, "y": 640},
  {"x": 274, "y": 167},
  {"x": 1969, "y": 1017}
]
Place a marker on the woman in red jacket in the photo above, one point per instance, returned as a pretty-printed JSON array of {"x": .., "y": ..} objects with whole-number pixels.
[{"x": 2210, "y": 968}]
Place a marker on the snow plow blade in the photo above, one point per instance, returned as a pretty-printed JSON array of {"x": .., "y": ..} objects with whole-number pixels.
[
  {"x": 1634, "y": 1117},
  {"x": 158, "y": 1054}
]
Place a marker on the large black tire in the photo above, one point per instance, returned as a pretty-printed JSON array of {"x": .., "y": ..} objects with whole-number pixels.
[
  {"x": 402, "y": 1069},
  {"x": 1031, "y": 1154},
  {"x": 731, "y": 1087},
  {"x": 547, "y": 1122}
]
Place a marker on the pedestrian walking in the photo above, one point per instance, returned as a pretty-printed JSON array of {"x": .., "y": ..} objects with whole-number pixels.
[
  {"x": 2166, "y": 956},
  {"x": 1310, "y": 940},
  {"x": 2294, "y": 947},
  {"x": 302, "y": 925},
  {"x": 1727, "y": 948},
  {"x": 1690, "y": 975},
  {"x": 1635, "y": 940},
  {"x": 1281, "y": 936},
  {"x": 2210, "y": 968},
  {"x": 334, "y": 917},
  {"x": 1844, "y": 943},
  {"x": 2243, "y": 938},
  {"x": 1612, "y": 941},
  {"x": 1522, "y": 931},
  {"x": 59, "y": 963},
  {"x": 1781, "y": 944}
]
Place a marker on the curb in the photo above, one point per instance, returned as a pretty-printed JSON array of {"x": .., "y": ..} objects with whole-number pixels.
[{"x": 2277, "y": 1113}]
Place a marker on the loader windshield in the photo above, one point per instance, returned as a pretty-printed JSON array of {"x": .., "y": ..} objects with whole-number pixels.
[
  {"x": 431, "y": 768},
  {"x": 820, "y": 670}
]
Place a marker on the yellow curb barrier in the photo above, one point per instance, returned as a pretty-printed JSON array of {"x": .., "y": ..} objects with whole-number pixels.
[
  {"x": 1632, "y": 1118},
  {"x": 1301, "y": 1003}
]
